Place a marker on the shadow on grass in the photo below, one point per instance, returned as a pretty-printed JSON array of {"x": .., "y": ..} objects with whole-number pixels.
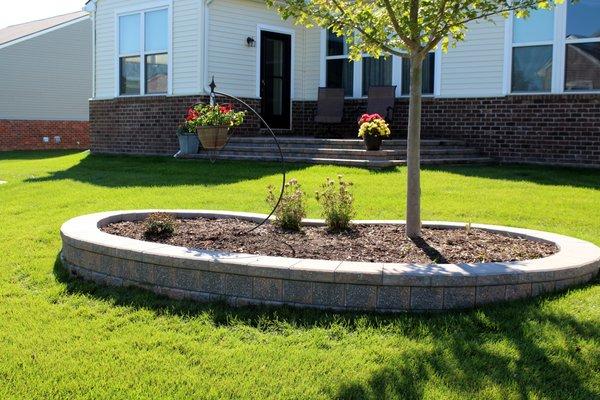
[
  {"x": 36, "y": 155},
  {"x": 500, "y": 346},
  {"x": 140, "y": 171},
  {"x": 541, "y": 175}
]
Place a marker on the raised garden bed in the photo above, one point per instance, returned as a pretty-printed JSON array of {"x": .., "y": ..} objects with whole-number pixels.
[
  {"x": 241, "y": 278},
  {"x": 369, "y": 243}
]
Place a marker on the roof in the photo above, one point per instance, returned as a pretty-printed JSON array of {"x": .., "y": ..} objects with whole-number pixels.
[{"x": 15, "y": 32}]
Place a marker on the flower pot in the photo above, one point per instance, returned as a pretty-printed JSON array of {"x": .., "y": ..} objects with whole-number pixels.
[
  {"x": 372, "y": 143},
  {"x": 213, "y": 137},
  {"x": 188, "y": 143}
]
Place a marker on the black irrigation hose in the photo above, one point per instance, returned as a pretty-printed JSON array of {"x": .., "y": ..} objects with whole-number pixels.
[{"x": 283, "y": 171}]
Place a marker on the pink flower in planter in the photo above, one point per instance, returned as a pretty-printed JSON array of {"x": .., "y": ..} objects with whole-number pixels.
[
  {"x": 191, "y": 115},
  {"x": 225, "y": 108},
  {"x": 368, "y": 118}
]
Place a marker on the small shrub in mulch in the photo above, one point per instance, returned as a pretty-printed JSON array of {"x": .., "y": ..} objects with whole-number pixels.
[
  {"x": 159, "y": 225},
  {"x": 337, "y": 203},
  {"x": 292, "y": 207}
]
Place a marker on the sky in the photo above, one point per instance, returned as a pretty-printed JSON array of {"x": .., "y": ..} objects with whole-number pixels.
[{"x": 18, "y": 11}]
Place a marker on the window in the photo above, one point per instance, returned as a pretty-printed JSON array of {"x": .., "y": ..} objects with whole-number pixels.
[
  {"x": 376, "y": 72},
  {"x": 558, "y": 50},
  {"x": 357, "y": 77},
  {"x": 143, "y": 53},
  {"x": 428, "y": 75},
  {"x": 582, "y": 53},
  {"x": 339, "y": 69},
  {"x": 532, "y": 52}
]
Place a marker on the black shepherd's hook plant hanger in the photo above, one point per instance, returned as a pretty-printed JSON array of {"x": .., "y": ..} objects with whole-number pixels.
[{"x": 213, "y": 94}]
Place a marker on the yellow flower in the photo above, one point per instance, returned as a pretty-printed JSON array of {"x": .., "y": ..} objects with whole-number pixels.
[{"x": 376, "y": 127}]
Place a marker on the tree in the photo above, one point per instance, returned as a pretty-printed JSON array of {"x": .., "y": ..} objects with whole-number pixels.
[{"x": 407, "y": 28}]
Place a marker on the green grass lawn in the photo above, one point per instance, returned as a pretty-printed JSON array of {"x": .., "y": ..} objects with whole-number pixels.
[{"x": 61, "y": 338}]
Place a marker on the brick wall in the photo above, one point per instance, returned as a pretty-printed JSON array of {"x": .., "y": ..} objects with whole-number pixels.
[
  {"x": 147, "y": 125},
  {"x": 550, "y": 129},
  {"x": 29, "y": 135}
]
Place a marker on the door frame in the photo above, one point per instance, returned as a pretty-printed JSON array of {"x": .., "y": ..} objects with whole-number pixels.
[{"x": 286, "y": 31}]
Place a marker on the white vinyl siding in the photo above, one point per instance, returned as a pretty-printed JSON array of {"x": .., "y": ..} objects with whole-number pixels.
[
  {"x": 187, "y": 34},
  {"x": 311, "y": 66},
  {"x": 48, "y": 77},
  {"x": 234, "y": 65},
  {"x": 474, "y": 68}
]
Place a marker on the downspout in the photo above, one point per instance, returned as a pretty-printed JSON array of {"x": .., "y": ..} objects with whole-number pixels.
[
  {"x": 90, "y": 7},
  {"x": 204, "y": 85}
]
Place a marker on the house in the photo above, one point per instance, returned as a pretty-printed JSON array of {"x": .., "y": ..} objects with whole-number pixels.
[
  {"x": 516, "y": 90},
  {"x": 46, "y": 83}
]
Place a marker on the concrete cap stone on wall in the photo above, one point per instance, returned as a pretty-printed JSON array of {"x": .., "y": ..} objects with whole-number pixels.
[{"x": 281, "y": 280}]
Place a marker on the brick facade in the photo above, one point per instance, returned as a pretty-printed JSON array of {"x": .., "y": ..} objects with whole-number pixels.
[
  {"x": 147, "y": 125},
  {"x": 29, "y": 135},
  {"x": 548, "y": 129}
]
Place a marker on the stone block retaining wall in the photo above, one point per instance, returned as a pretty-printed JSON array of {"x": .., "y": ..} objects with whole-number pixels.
[{"x": 242, "y": 279}]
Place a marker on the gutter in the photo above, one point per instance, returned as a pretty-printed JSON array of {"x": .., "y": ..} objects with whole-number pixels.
[{"x": 90, "y": 7}]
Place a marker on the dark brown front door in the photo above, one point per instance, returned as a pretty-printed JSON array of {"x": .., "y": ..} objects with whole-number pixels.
[{"x": 275, "y": 78}]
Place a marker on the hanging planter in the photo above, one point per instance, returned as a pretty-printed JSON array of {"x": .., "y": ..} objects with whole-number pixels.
[
  {"x": 373, "y": 128},
  {"x": 212, "y": 123},
  {"x": 213, "y": 137}
]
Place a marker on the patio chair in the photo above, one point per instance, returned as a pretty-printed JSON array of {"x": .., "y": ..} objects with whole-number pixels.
[
  {"x": 381, "y": 101},
  {"x": 330, "y": 106}
]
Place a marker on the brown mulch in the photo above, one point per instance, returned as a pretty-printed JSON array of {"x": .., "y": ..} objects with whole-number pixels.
[{"x": 371, "y": 243}]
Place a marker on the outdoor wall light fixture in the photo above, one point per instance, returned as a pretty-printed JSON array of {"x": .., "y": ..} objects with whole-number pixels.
[{"x": 250, "y": 42}]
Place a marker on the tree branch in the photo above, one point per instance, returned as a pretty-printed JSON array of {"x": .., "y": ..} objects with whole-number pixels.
[
  {"x": 364, "y": 33},
  {"x": 444, "y": 31},
  {"x": 396, "y": 24}
]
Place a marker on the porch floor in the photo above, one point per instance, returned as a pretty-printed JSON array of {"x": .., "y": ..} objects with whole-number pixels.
[{"x": 349, "y": 152}]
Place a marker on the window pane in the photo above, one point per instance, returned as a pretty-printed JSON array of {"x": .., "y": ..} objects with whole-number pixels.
[
  {"x": 376, "y": 72},
  {"x": 583, "y": 67},
  {"x": 583, "y": 19},
  {"x": 156, "y": 31},
  {"x": 336, "y": 45},
  {"x": 428, "y": 75},
  {"x": 129, "y": 34},
  {"x": 538, "y": 27},
  {"x": 156, "y": 73},
  {"x": 532, "y": 69},
  {"x": 340, "y": 74},
  {"x": 130, "y": 75}
]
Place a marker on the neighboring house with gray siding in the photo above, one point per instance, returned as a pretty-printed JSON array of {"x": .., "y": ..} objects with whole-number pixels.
[{"x": 46, "y": 83}]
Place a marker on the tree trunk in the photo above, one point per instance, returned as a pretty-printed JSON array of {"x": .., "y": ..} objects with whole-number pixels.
[{"x": 413, "y": 160}]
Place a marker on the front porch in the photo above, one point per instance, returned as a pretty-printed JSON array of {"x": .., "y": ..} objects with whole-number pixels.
[
  {"x": 349, "y": 152},
  {"x": 514, "y": 129}
]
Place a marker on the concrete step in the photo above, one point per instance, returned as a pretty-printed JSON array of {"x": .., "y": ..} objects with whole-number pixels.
[
  {"x": 369, "y": 163},
  {"x": 335, "y": 143},
  {"x": 349, "y": 152},
  {"x": 432, "y": 152}
]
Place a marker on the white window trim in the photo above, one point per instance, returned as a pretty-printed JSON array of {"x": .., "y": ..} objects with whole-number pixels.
[
  {"x": 147, "y": 7},
  {"x": 357, "y": 71},
  {"x": 558, "y": 44}
]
